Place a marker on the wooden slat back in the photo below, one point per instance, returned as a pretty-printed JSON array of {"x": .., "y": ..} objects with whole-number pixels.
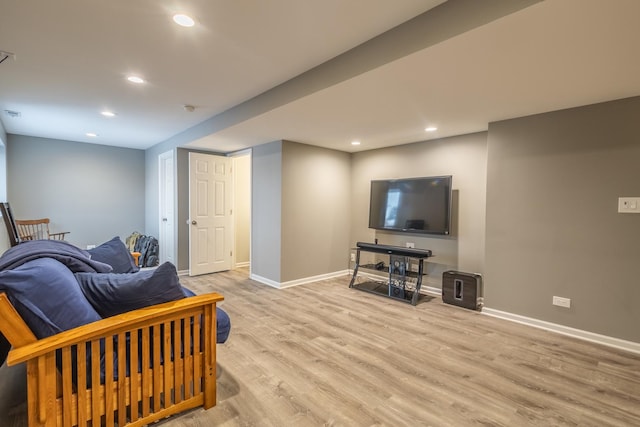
[
  {"x": 33, "y": 229},
  {"x": 155, "y": 368}
]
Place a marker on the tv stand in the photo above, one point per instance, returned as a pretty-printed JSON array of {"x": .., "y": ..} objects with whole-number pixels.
[{"x": 400, "y": 281}]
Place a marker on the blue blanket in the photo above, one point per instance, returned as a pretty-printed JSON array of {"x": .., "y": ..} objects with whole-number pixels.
[{"x": 76, "y": 259}]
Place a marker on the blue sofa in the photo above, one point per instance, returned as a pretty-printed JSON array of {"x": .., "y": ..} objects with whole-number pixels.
[{"x": 56, "y": 287}]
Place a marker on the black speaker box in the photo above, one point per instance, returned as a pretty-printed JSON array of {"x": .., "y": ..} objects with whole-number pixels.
[{"x": 462, "y": 289}]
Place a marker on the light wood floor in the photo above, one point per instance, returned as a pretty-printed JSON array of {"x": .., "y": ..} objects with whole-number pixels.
[{"x": 324, "y": 354}]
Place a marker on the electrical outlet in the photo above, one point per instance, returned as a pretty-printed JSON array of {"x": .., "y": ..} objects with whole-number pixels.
[
  {"x": 562, "y": 302},
  {"x": 410, "y": 245},
  {"x": 628, "y": 204},
  {"x": 353, "y": 257},
  {"x": 91, "y": 246}
]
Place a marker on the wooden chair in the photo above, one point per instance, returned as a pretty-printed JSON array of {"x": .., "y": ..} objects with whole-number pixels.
[
  {"x": 37, "y": 229},
  {"x": 166, "y": 363},
  {"x": 9, "y": 222}
]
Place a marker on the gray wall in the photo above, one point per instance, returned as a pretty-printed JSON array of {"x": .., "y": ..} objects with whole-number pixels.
[
  {"x": 552, "y": 221},
  {"x": 315, "y": 211},
  {"x": 182, "y": 209},
  {"x": 94, "y": 191},
  {"x": 4, "y": 238},
  {"x": 300, "y": 211},
  {"x": 3, "y": 134},
  {"x": 3, "y": 171},
  {"x": 463, "y": 157},
  {"x": 266, "y": 206}
]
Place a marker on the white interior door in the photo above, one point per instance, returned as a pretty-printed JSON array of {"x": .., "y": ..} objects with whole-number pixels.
[
  {"x": 167, "y": 233},
  {"x": 210, "y": 214}
]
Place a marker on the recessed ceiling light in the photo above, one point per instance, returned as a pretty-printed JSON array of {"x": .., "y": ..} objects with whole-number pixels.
[
  {"x": 183, "y": 20},
  {"x": 13, "y": 114},
  {"x": 91, "y": 134},
  {"x": 431, "y": 129},
  {"x": 135, "y": 79},
  {"x": 108, "y": 113},
  {"x": 355, "y": 142}
]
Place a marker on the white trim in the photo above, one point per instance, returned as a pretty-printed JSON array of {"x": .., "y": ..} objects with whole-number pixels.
[
  {"x": 243, "y": 152},
  {"x": 630, "y": 346},
  {"x": 431, "y": 290},
  {"x": 264, "y": 280},
  {"x": 242, "y": 264},
  {"x": 183, "y": 272},
  {"x": 311, "y": 279},
  {"x": 297, "y": 282},
  {"x": 170, "y": 154}
]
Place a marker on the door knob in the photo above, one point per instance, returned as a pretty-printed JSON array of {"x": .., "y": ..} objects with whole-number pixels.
[
  {"x": 164, "y": 219},
  {"x": 194, "y": 222}
]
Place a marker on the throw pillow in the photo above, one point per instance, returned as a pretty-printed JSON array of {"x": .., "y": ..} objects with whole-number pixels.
[
  {"x": 112, "y": 293},
  {"x": 116, "y": 254},
  {"x": 47, "y": 296}
]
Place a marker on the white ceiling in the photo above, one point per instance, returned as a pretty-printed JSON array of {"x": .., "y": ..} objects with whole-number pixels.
[
  {"x": 71, "y": 61},
  {"x": 72, "y": 57}
]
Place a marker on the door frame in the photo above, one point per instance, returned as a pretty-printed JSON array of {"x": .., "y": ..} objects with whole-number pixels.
[
  {"x": 242, "y": 153},
  {"x": 161, "y": 192}
]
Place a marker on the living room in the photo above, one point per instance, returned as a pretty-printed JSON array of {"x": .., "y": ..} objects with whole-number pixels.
[{"x": 535, "y": 208}]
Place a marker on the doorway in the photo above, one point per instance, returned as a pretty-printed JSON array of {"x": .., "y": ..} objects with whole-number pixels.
[
  {"x": 167, "y": 205},
  {"x": 210, "y": 213},
  {"x": 242, "y": 208}
]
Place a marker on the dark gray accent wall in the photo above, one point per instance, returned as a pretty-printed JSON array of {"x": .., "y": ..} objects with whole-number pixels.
[
  {"x": 464, "y": 158},
  {"x": 552, "y": 224},
  {"x": 93, "y": 191}
]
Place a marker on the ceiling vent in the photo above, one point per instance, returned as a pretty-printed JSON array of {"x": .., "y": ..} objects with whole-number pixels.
[{"x": 6, "y": 55}]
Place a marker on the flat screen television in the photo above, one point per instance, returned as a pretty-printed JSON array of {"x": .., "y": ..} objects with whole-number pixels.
[{"x": 413, "y": 205}]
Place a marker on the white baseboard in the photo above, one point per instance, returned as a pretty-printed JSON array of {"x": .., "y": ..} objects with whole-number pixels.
[
  {"x": 242, "y": 264},
  {"x": 265, "y": 281},
  {"x": 297, "y": 282},
  {"x": 431, "y": 290},
  {"x": 630, "y": 346}
]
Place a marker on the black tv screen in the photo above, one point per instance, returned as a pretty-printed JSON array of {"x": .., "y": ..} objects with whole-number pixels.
[{"x": 414, "y": 205}]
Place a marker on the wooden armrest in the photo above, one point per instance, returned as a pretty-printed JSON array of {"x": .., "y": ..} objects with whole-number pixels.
[
  {"x": 14, "y": 328},
  {"x": 111, "y": 326},
  {"x": 136, "y": 257}
]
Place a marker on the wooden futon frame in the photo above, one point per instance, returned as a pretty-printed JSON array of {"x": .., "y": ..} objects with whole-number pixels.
[{"x": 157, "y": 361}]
